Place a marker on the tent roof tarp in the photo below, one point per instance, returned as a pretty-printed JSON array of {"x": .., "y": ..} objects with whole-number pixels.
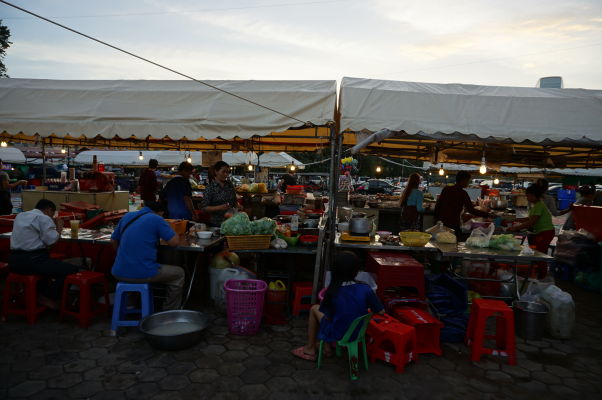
[
  {"x": 515, "y": 113},
  {"x": 12, "y": 155},
  {"x": 177, "y": 109}
]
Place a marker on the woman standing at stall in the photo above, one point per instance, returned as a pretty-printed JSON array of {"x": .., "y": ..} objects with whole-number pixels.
[
  {"x": 411, "y": 205},
  {"x": 540, "y": 222},
  {"x": 219, "y": 195}
]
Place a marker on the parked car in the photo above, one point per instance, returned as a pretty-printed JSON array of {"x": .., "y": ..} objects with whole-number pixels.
[{"x": 374, "y": 186}]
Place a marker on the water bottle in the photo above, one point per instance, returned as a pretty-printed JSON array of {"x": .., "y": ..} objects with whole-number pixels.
[{"x": 294, "y": 224}]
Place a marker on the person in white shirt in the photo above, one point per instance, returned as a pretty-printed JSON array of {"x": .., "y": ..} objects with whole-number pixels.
[{"x": 34, "y": 232}]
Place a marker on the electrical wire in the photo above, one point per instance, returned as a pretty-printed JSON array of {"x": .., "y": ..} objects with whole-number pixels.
[{"x": 154, "y": 63}]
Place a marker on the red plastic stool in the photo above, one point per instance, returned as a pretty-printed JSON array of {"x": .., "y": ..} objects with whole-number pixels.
[
  {"x": 57, "y": 256},
  {"x": 480, "y": 311},
  {"x": 428, "y": 328},
  {"x": 301, "y": 290},
  {"x": 396, "y": 269},
  {"x": 22, "y": 288},
  {"x": 391, "y": 341},
  {"x": 87, "y": 308}
]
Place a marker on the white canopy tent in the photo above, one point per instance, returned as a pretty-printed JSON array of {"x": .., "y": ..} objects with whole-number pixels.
[
  {"x": 515, "y": 113},
  {"x": 279, "y": 160},
  {"x": 176, "y": 109},
  {"x": 516, "y": 170},
  {"x": 12, "y": 155}
]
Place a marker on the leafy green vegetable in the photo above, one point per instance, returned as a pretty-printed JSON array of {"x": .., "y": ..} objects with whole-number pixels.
[
  {"x": 504, "y": 242},
  {"x": 238, "y": 224},
  {"x": 264, "y": 226}
]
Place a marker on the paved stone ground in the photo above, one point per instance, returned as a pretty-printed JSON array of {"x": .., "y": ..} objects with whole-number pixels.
[{"x": 53, "y": 360}]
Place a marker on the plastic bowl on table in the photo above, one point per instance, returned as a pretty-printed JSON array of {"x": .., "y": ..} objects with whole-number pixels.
[
  {"x": 309, "y": 240},
  {"x": 414, "y": 239},
  {"x": 204, "y": 234}
]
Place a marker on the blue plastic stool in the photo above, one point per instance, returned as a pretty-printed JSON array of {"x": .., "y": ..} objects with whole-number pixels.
[{"x": 120, "y": 306}]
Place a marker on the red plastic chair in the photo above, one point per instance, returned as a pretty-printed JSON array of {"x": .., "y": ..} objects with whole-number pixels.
[{"x": 301, "y": 290}]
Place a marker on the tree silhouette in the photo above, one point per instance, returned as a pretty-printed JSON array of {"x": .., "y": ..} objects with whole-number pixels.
[{"x": 4, "y": 44}]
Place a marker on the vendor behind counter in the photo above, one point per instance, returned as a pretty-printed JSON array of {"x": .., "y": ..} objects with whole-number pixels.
[{"x": 453, "y": 200}]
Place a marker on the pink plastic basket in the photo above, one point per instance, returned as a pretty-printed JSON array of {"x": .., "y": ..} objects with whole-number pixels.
[{"x": 244, "y": 300}]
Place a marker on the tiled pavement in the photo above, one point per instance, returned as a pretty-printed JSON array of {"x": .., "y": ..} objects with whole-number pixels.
[{"x": 53, "y": 360}]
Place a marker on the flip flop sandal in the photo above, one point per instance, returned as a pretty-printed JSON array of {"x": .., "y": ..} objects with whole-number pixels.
[{"x": 303, "y": 355}]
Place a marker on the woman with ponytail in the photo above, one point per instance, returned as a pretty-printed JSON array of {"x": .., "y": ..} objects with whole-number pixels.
[{"x": 345, "y": 300}]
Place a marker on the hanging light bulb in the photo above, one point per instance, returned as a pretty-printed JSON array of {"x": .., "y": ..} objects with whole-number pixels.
[
  {"x": 3, "y": 143},
  {"x": 249, "y": 167},
  {"x": 378, "y": 169},
  {"x": 63, "y": 150},
  {"x": 293, "y": 167},
  {"x": 446, "y": 176},
  {"x": 140, "y": 156},
  {"x": 483, "y": 167},
  {"x": 441, "y": 171},
  {"x": 496, "y": 181},
  {"x": 189, "y": 158}
]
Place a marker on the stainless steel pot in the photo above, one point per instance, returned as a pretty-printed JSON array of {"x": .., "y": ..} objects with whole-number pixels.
[
  {"x": 174, "y": 329},
  {"x": 360, "y": 226},
  {"x": 498, "y": 204}
]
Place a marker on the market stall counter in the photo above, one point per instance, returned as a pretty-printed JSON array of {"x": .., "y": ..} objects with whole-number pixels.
[{"x": 458, "y": 252}]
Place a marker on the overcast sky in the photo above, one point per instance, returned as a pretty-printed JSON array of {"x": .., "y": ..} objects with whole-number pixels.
[{"x": 490, "y": 42}]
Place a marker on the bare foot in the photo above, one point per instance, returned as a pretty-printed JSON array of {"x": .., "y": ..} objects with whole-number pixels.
[{"x": 47, "y": 302}]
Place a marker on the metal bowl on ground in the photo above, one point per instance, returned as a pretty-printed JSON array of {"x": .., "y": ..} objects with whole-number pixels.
[{"x": 174, "y": 329}]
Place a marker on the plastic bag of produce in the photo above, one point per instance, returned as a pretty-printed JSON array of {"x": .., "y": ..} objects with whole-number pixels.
[
  {"x": 237, "y": 225},
  {"x": 504, "y": 242},
  {"x": 445, "y": 237},
  {"x": 480, "y": 236}
]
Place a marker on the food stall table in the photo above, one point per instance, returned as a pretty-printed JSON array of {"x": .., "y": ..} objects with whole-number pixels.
[
  {"x": 103, "y": 238},
  {"x": 458, "y": 251}
]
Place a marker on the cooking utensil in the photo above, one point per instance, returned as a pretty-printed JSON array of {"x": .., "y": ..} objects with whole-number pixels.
[
  {"x": 204, "y": 234},
  {"x": 360, "y": 226},
  {"x": 343, "y": 226},
  {"x": 173, "y": 329}
]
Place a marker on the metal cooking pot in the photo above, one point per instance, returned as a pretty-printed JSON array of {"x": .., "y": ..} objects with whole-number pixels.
[
  {"x": 360, "y": 226},
  {"x": 498, "y": 204},
  {"x": 173, "y": 329}
]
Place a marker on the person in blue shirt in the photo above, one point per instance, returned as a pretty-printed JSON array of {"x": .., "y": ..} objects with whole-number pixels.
[
  {"x": 345, "y": 300},
  {"x": 411, "y": 205},
  {"x": 136, "y": 238},
  {"x": 178, "y": 194}
]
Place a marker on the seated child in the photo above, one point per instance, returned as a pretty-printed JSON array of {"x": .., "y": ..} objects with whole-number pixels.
[{"x": 345, "y": 300}]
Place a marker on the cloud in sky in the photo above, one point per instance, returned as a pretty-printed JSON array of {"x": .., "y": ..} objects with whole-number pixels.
[{"x": 468, "y": 41}]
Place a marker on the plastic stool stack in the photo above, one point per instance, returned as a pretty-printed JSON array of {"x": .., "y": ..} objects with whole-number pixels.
[
  {"x": 87, "y": 308},
  {"x": 120, "y": 306},
  {"x": 428, "y": 328},
  {"x": 480, "y": 311},
  {"x": 391, "y": 341},
  {"x": 302, "y": 297},
  {"x": 396, "y": 269},
  {"x": 20, "y": 297}
]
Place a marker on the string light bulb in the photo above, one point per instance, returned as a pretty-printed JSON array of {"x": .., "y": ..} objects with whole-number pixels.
[
  {"x": 378, "y": 169},
  {"x": 441, "y": 171},
  {"x": 483, "y": 167},
  {"x": 189, "y": 158},
  {"x": 63, "y": 150},
  {"x": 140, "y": 156},
  {"x": 3, "y": 143},
  {"x": 446, "y": 176},
  {"x": 496, "y": 181},
  {"x": 249, "y": 167},
  {"x": 293, "y": 167}
]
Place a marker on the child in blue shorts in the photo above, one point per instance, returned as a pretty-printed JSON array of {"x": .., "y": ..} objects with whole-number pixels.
[{"x": 345, "y": 300}]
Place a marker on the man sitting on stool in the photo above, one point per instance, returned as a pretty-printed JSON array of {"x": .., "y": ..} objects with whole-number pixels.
[
  {"x": 136, "y": 238},
  {"x": 33, "y": 233}
]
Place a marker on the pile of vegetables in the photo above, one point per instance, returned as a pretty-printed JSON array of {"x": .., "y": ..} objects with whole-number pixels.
[
  {"x": 239, "y": 224},
  {"x": 504, "y": 242}
]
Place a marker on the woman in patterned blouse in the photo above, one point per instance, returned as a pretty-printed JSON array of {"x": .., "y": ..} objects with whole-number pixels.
[{"x": 219, "y": 195}]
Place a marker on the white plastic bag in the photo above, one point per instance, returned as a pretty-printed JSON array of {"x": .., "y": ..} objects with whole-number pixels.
[
  {"x": 561, "y": 317},
  {"x": 480, "y": 236}
]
